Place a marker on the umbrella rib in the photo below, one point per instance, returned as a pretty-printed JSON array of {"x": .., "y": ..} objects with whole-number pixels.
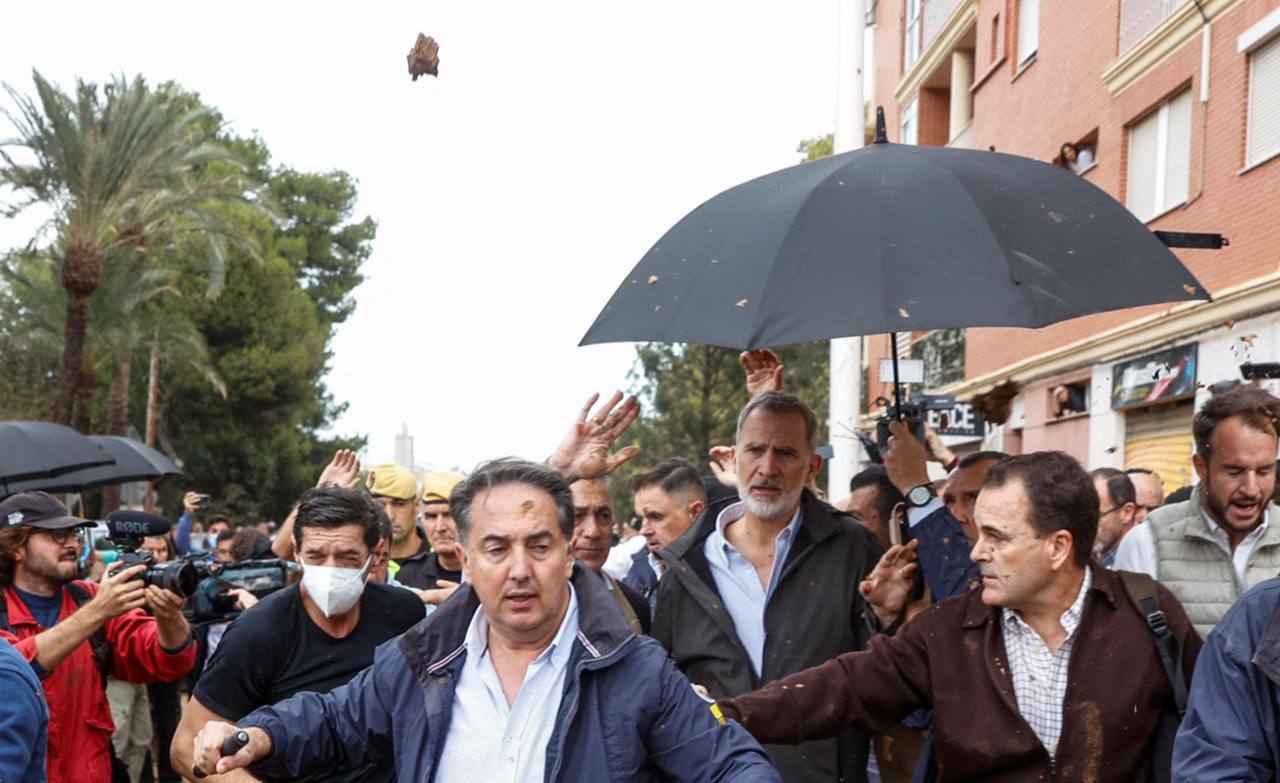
[{"x": 753, "y": 338}]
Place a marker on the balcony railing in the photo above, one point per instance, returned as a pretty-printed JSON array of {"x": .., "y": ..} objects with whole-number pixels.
[
  {"x": 1139, "y": 17},
  {"x": 936, "y": 13}
]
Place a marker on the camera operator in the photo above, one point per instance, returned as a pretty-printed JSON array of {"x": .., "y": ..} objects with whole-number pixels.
[
  {"x": 313, "y": 636},
  {"x": 73, "y": 633}
]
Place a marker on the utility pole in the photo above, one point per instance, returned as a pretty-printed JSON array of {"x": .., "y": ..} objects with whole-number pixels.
[{"x": 846, "y": 352}]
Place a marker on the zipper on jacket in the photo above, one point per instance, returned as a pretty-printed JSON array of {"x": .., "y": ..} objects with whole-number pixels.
[
  {"x": 564, "y": 728},
  {"x": 582, "y": 667}
]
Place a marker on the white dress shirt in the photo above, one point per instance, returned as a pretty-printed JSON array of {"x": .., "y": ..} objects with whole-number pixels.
[
  {"x": 1137, "y": 550},
  {"x": 489, "y": 741},
  {"x": 1040, "y": 676}
]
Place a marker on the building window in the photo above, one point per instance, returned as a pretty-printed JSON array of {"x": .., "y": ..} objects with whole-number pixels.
[
  {"x": 995, "y": 38},
  {"x": 1264, "y": 103},
  {"x": 1028, "y": 30},
  {"x": 1159, "y": 158},
  {"x": 1069, "y": 399},
  {"x": 909, "y": 135},
  {"x": 943, "y": 353},
  {"x": 911, "y": 44}
]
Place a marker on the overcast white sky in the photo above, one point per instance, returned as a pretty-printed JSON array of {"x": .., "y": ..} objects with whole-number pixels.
[{"x": 512, "y": 195}]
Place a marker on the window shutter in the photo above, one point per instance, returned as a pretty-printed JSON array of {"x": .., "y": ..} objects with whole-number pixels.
[
  {"x": 1178, "y": 152},
  {"x": 1264, "y": 102},
  {"x": 1028, "y": 29},
  {"x": 1144, "y": 139}
]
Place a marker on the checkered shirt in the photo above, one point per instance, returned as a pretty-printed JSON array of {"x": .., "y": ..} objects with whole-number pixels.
[{"x": 1040, "y": 676}]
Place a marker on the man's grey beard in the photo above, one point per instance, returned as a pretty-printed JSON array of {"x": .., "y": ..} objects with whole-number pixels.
[{"x": 769, "y": 509}]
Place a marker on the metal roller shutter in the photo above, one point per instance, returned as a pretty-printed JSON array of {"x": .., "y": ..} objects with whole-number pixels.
[{"x": 1159, "y": 438}]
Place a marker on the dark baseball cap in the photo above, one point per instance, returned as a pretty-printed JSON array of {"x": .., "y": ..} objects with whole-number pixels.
[{"x": 39, "y": 510}]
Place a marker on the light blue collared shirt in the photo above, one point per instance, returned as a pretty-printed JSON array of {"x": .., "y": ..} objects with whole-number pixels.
[
  {"x": 744, "y": 598},
  {"x": 489, "y": 741}
]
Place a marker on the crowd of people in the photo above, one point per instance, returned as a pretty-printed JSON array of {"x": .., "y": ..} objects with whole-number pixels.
[{"x": 1021, "y": 619}]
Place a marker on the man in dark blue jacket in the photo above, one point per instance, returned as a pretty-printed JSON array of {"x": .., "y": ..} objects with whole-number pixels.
[
  {"x": 24, "y": 722},
  {"x": 1231, "y": 731},
  {"x": 528, "y": 673}
]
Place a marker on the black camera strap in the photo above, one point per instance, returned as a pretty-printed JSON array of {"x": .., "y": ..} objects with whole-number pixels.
[{"x": 97, "y": 640}]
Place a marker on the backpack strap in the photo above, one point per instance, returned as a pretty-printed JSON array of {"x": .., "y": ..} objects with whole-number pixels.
[
  {"x": 98, "y": 640},
  {"x": 1141, "y": 590}
]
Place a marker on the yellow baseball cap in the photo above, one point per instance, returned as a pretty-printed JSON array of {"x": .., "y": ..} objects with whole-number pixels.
[
  {"x": 393, "y": 481},
  {"x": 437, "y": 486}
]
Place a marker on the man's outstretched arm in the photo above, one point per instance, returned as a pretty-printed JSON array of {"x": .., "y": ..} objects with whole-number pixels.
[
  {"x": 691, "y": 741},
  {"x": 869, "y": 691}
]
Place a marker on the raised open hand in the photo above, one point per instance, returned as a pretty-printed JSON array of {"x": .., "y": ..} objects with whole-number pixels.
[
  {"x": 764, "y": 371},
  {"x": 724, "y": 466},
  {"x": 342, "y": 471},
  {"x": 888, "y": 588},
  {"x": 584, "y": 452}
]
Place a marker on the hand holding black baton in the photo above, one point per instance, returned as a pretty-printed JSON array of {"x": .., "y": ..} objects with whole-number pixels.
[{"x": 230, "y": 747}]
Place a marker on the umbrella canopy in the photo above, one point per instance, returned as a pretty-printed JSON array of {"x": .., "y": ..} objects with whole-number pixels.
[
  {"x": 41, "y": 449},
  {"x": 889, "y": 238},
  {"x": 134, "y": 461}
]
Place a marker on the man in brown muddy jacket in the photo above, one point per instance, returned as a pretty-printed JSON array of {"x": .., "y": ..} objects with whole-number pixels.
[{"x": 1044, "y": 672}]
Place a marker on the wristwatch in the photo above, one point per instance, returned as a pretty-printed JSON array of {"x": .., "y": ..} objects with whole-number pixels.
[{"x": 920, "y": 496}]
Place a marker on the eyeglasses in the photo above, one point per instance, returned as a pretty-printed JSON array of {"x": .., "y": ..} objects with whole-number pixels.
[{"x": 66, "y": 534}]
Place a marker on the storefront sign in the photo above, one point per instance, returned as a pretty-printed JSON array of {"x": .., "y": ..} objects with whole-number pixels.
[
  {"x": 1159, "y": 377},
  {"x": 962, "y": 420}
]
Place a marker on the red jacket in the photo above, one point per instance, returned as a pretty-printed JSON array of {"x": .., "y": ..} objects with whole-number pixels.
[{"x": 80, "y": 723}]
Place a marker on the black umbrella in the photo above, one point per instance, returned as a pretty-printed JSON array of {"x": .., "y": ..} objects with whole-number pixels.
[
  {"x": 888, "y": 238},
  {"x": 134, "y": 461},
  {"x": 40, "y": 449}
]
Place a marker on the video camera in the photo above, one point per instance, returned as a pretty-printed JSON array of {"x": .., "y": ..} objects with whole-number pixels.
[
  {"x": 212, "y": 600},
  {"x": 126, "y": 529},
  {"x": 914, "y": 412}
]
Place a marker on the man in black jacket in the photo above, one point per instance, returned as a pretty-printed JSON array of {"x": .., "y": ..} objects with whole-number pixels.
[{"x": 767, "y": 586}]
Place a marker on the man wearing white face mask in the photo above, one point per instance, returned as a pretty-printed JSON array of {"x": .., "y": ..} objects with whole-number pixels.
[{"x": 314, "y": 636}]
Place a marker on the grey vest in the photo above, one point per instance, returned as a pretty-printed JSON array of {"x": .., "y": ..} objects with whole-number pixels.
[{"x": 1196, "y": 566}]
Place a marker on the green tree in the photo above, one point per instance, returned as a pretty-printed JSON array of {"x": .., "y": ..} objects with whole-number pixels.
[
  {"x": 268, "y": 333},
  {"x": 118, "y": 167},
  {"x": 816, "y": 148}
]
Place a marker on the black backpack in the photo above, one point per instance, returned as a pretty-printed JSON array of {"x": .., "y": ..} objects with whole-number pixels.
[{"x": 1141, "y": 590}]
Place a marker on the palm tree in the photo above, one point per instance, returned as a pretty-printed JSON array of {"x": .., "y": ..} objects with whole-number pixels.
[
  {"x": 117, "y": 168},
  {"x": 129, "y": 316}
]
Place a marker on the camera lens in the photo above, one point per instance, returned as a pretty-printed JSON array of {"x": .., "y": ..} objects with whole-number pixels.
[{"x": 177, "y": 577}]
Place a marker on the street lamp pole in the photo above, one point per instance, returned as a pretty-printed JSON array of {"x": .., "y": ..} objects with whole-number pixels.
[{"x": 846, "y": 352}]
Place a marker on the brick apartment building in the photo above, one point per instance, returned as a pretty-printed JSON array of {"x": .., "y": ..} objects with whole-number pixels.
[{"x": 1175, "y": 106}]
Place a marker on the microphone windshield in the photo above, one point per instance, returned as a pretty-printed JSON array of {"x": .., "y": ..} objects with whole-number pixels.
[{"x": 136, "y": 524}]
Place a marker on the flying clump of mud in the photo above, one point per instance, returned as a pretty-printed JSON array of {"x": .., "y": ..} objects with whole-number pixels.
[{"x": 424, "y": 57}]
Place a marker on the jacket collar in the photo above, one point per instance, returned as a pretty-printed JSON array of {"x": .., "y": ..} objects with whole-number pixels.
[
  {"x": 424, "y": 551},
  {"x": 817, "y": 522},
  {"x": 1195, "y": 523},
  {"x": 437, "y": 644},
  {"x": 978, "y": 613}
]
